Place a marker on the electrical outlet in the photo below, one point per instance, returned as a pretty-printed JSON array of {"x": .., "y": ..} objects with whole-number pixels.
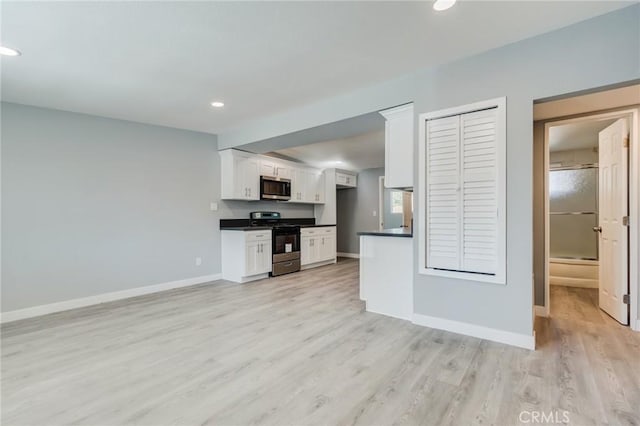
[
  {"x": 213, "y": 206},
  {"x": 375, "y": 213},
  {"x": 198, "y": 261}
]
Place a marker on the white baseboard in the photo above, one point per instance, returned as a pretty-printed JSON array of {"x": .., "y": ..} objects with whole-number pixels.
[
  {"x": 495, "y": 335},
  {"x": 351, "y": 255},
  {"x": 66, "y": 305},
  {"x": 541, "y": 311},
  {"x": 315, "y": 265}
]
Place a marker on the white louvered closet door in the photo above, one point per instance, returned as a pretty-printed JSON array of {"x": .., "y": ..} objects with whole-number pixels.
[
  {"x": 442, "y": 193},
  {"x": 479, "y": 191}
]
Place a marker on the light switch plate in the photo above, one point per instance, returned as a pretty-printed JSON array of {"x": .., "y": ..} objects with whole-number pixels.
[{"x": 213, "y": 206}]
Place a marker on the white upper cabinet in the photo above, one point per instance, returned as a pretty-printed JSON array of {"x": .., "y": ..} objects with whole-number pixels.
[
  {"x": 298, "y": 185},
  {"x": 240, "y": 178},
  {"x": 274, "y": 169},
  {"x": 314, "y": 187},
  {"x": 346, "y": 180},
  {"x": 398, "y": 147}
]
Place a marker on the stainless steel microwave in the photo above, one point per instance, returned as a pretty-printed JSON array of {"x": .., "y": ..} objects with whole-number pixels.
[{"x": 275, "y": 188}]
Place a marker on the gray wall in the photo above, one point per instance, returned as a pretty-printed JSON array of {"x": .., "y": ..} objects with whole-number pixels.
[
  {"x": 594, "y": 53},
  {"x": 92, "y": 205},
  {"x": 355, "y": 210}
]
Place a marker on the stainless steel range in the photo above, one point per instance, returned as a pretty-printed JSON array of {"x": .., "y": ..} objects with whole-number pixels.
[
  {"x": 285, "y": 240},
  {"x": 286, "y": 249}
]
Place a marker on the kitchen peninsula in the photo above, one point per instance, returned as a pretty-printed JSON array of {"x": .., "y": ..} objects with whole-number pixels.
[{"x": 386, "y": 272}]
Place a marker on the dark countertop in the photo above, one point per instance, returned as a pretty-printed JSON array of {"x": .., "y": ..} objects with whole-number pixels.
[
  {"x": 261, "y": 228},
  {"x": 395, "y": 232},
  {"x": 246, "y": 228}
]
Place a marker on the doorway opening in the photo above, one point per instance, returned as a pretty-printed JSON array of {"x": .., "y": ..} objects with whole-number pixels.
[
  {"x": 395, "y": 207},
  {"x": 575, "y": 192},
  {"x": 589, "y": 190}
]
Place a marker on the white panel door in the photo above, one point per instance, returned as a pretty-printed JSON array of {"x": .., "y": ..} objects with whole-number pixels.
[
  {"x": 612, "y": 206},
  {"x": 298, "y": 185},
  {"x": 320, "y": 187},
  {"x": 479, "y": 192},
  {"x": 252, "y": 253},
  {"x": 306, "y": 251},
  {"x": 240, "y": 190},
  {"x": 311, "y": 186},
  {"x": 267, "y": 168},
  {"x": 252, "y": 178},
  {"x": 443, "y": 193},
  {"x": 265, "y": 260},
  {"x": 328, "y": 244}
]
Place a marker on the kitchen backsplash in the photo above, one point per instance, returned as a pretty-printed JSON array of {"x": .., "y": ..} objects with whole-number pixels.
[{"x": 229, "y": 209}]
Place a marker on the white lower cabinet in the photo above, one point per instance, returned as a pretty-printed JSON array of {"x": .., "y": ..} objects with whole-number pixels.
[
  {"x": 318, "y": 246},
  {"x": 257, "y": 258},
  {"x": 246, "y": 255}
]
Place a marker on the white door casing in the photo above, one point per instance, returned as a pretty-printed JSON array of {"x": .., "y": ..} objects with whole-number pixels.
[{"x": 613, "y": 207}]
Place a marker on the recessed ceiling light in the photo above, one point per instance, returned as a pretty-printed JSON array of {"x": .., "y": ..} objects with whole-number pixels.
[
  {"x": 441, "y": 5},
  {"x": 217, "y": 104},
  {"x": 7, "y": 51},
  {"x": 336, "y": 162}
]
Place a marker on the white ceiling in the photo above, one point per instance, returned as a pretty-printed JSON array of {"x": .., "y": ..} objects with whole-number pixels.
[
  {"x": 576, "y": 135},
  {"x": 163, "y": 62},
  {"x": 356, "y": 153}
]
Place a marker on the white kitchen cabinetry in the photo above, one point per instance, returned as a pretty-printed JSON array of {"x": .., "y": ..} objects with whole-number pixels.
[
  {"x": 398, "y": 147},
  {"x": 240, "y": 178},
  {"x": 386, "y": 275},
  {"x": 314, "y": 187},
  {"x": 274, "y": 169},
  {"x": 246, "y": 255},
  {"x": 307, "y": 186},
  {"x": 346, "y": 180},
  {"x": 298, "y": 185},
  {"x": 318, "y": 246},
  {"x": 241, "y": 171}
]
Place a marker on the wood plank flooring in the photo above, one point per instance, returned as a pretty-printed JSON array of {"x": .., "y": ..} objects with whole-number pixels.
[{"x": 300, "y": 350}]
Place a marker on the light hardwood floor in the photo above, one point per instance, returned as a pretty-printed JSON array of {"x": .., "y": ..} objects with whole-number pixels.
[{"x": 300, "y": 350}]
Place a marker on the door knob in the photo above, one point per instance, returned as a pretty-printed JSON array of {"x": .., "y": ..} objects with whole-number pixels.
[{"x": 597, "y": 229}]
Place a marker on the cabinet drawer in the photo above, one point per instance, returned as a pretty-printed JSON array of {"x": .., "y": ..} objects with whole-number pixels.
[
  {"x": 327, "y": 230},
  {"x": 257, "y": 235},
  {"x": 308, "y": 231},
  {"x": 322, "y": 230}
]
